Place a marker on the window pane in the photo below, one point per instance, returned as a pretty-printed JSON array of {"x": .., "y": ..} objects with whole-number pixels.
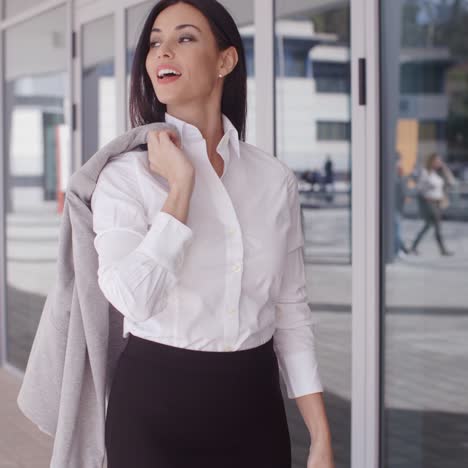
[
  {"x": 425, "y": 219},
  {"x": 313, "y": 138},
  {"x": 37, "y": 166},
  {"x": 98, "y": 85}
]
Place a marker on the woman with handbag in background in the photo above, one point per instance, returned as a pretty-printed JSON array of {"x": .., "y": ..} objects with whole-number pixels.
[{"x": 433, "y": 199}]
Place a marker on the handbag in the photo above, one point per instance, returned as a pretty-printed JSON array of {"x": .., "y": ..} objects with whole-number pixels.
[{"x": 445, "y": 202}]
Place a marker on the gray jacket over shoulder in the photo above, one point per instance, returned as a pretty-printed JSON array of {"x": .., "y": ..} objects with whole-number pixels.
[{"x": 79, "y": 337}]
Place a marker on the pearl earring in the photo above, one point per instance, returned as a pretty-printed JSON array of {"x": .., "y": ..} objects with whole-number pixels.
[{"x": 220, "y": 75}]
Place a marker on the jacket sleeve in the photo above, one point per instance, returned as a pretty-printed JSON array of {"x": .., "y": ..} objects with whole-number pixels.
[
  {"x": 138, "y": 267},
  {"x": 294, "y": 341}
]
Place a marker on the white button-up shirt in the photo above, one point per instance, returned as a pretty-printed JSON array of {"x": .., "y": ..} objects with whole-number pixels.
[{"x": 229, "y": 278}]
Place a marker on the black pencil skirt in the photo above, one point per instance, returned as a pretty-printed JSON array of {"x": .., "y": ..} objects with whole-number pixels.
[{"x": 172, "y": 407}]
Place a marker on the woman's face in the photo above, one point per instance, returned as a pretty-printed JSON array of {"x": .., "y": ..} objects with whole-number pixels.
[
  {"x": 436, "y": 163},
  {"x": 191, "y": 50}
]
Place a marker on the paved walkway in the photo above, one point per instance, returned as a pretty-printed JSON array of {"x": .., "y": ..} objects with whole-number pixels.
[{"x": 22, "y": 445}]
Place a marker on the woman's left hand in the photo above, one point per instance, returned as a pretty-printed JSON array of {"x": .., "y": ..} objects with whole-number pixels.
[{"x": 320, "y": 456}]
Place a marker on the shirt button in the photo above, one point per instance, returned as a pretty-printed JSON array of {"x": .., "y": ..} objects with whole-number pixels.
[
  {"x": 231, "y": 231},
  {"x": 232, "y": 311},
  {"x": 227, "y": 348},
  {"x": 236, "y": 267}
]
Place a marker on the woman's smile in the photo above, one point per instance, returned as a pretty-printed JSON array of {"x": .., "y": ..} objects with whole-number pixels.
[{"x": 168, "y": 79}]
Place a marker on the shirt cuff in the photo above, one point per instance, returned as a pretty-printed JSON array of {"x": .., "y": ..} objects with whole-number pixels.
[
  {"x": 300, "y": 374},
  {"x": 166, "y": 241}
]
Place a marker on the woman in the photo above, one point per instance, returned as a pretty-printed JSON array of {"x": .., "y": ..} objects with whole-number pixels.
[
  {"x": 203, "y": 258},
  {"x": 432, "y": 199}
]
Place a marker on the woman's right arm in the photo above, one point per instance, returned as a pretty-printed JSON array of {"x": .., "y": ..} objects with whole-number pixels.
[
  {"x": 138, "y": 267},
  {"x": 449, "y": 176}
]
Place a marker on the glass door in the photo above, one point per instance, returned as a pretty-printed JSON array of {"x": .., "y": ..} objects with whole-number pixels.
[
  {"x": 424, "y": 212},
  {"x": 36, "y": 161},
  {"x": 313, "y": 137}
]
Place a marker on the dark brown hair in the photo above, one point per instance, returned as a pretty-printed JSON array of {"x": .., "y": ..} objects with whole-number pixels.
[
  {"x": 430, "y": 160},
  {"x": 144, "y": 106}
]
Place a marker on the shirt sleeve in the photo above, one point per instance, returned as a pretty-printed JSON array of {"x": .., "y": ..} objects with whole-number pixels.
[
  {"x": 139, "y": 263},
  {"x": 294, "y": 340}
]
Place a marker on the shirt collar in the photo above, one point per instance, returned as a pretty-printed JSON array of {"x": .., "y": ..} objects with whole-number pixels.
[{"x": 190, "y": 133}]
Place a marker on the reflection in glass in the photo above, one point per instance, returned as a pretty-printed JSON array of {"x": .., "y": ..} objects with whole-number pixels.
[
  {"x": 98, "y": 98},
  {"x": 242, "y": 12},
  {"x": 425, "y": 233},
  {"x": 313, "y": 122},
  {"x": 37, "y": 166}
]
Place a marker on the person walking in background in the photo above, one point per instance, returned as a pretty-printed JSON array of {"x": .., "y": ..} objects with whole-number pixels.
[
  {"x": 432, "y": 199},
  {"x": 328, "y": 179},
  {"x": 400, "y": 195}
]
